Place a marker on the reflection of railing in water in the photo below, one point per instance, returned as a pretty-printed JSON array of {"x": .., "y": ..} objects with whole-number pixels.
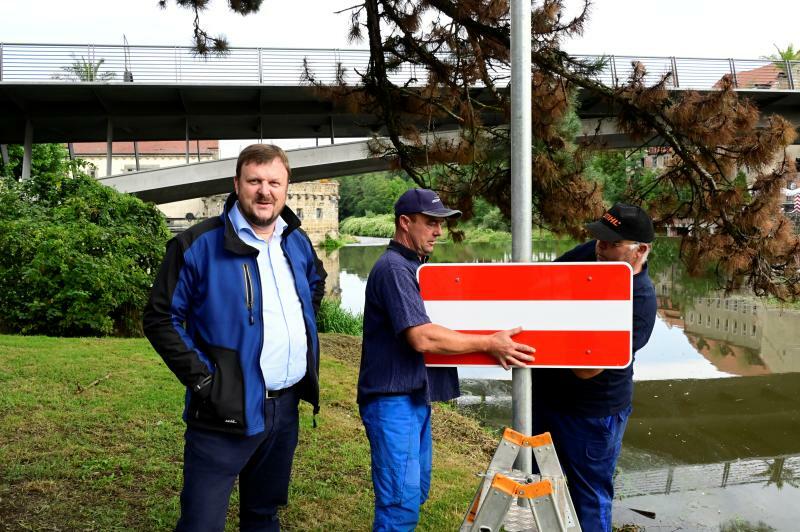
[{"x": 779, "y": 470}]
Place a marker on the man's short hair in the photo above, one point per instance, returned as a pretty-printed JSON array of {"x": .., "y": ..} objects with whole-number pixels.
[{"x": 261, "y": 154}]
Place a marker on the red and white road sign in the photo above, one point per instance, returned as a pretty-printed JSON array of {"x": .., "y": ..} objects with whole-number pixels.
[{"x": 576, "y": 314}]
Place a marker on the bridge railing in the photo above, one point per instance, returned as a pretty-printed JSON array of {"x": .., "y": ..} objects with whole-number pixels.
[{"x": 285, "y": 66}]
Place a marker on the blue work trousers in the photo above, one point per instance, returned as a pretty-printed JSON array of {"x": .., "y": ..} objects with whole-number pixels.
[
  {"x": 212, "y": 461},
  {"x": 399, "y": 432},
  {"x": 588, "y": 448}
]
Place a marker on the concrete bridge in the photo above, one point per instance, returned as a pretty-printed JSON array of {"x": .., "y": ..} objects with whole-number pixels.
[
  {"x": 63, "y": 93},
  {"x": 73, "y": 93},
  {"x": 164, "y": 185}
]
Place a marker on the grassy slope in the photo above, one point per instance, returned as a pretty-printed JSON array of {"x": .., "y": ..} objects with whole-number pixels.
[{"x": 109, "y": 457}]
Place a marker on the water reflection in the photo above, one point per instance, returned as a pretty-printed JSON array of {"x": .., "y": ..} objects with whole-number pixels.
[
  {"x": 698, "y": 333},
  {"x": 697, "y": 452}
]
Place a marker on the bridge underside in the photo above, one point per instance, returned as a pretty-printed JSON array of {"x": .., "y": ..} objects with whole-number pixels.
[{"x": 82, "y": 112}]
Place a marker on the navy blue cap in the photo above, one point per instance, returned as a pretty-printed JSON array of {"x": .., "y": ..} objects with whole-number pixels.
[
  {"x": 623, "y": 222},
  {"x": 424, "y": 201}
]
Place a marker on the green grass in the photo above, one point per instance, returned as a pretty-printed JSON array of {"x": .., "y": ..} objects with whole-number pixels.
[
  {"x": 108, "y": 456},
  {"x": 332, "y": 318}
]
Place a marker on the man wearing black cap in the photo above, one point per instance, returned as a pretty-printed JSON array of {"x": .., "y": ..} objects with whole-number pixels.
[
  {"x": 586, "y": 410},
  {"x": 395, "y": 389}
]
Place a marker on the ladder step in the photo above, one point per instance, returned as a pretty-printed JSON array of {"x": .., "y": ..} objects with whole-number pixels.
[{"x": 517, "y": 501}]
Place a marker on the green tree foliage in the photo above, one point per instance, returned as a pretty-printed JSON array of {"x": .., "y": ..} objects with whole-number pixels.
[
  {"x": 78, "y": 257},
  {"x": 46, "y": 159},
  {"x": 787, "y": 54},
  {"x": 370, "y": 194}
]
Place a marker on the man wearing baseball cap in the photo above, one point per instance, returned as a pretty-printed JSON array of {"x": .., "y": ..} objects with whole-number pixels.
[
  {"x": 395, "y": 389},
  {"x": 586, "y": 410}
]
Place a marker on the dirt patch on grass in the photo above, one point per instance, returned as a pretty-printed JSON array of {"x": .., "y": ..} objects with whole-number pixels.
[{"x": 341, "y": 347}]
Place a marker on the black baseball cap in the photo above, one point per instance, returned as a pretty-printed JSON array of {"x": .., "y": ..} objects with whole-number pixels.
[
  {"x": 424, "y": 201},
  {"x": 623, "y": 222}
]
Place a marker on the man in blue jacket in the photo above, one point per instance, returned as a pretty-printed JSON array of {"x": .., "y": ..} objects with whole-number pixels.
[
  {"x": 233, "y": 314},
  {"x": 586, "y": 410},
  {"x": 395, "y": 389}
]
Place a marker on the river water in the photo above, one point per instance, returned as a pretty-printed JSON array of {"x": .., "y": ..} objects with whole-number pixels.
[{"x": 714, "y": 439}]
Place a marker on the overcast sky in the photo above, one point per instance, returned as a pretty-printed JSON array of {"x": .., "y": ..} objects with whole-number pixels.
[
  {"x": 693, "y": 28},
  {"x": 682, "y": 28}
]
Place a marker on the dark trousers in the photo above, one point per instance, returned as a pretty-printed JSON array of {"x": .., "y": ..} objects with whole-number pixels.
[
  {"x": 588, "y": 448},
  {"x": 212, "y": 461}
]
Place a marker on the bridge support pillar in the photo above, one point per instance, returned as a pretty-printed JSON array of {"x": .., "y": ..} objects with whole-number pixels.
[
  {"x": 4, "y": 154},
  {"x": 109, "y": 145},
  {"x": 186, "y": 121},
  {"x": 136, "y": 154},
  {"x": 27, "y": 153}
]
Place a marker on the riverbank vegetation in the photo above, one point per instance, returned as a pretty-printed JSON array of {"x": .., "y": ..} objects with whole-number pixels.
[
  {"x": 332, "y": 318},
  {"x": 92, "y": 440},
  {"x": 332, "y": 243},
  {"x": 78, "y": 257}
]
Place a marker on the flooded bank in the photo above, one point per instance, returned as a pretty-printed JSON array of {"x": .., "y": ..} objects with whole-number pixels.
[
  {"x": 700, "y": 453},
  {"x": 713, "y": 442}
]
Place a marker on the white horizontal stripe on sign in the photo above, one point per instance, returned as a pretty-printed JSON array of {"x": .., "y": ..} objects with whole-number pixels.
[{"x": 532, "y": 315}]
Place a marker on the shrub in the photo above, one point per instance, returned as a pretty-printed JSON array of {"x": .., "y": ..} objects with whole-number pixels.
[
  {"x": 78, "y": 257},
  {"x": 376, "y": 226},
  {"x": 332, "y": 318}
]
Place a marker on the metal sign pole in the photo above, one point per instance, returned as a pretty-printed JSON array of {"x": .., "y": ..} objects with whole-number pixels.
[{"x": 521, "y": 196}]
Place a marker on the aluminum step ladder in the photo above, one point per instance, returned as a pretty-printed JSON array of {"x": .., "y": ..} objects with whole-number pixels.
[{"x": 511, "y": 500}]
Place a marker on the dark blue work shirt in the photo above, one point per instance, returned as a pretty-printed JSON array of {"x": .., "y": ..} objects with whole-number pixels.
[
  {"x": 612, "y": 390},
  {"x": 389, "y": 365}
]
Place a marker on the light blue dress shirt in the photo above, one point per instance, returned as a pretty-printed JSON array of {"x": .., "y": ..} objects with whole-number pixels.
[{"x": 283, "y": 355}]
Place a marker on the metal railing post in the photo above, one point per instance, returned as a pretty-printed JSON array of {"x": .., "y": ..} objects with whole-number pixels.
[
  {"x": 613, "y": 71},
  {"x": 176, "y": 57},
  {"x": 675, "y": 82},
  {"x": 1, "y": 61},
  {"x": 789, "y": 75},
  {"x": 260, "y": 71},
  {"x": 733, "y": 72}
]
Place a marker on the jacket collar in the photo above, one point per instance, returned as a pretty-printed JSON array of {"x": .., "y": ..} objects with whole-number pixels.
[
  {"x": 234, "y": 244},
  {"x": 407, "y": 253}
]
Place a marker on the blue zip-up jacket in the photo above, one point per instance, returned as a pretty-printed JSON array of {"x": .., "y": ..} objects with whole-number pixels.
[{"x": 204, "y": 318}]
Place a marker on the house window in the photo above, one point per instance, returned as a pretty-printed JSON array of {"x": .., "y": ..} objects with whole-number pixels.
[
  {"x": 300, "y": 213},
  {"x": 319, "y": 213}
]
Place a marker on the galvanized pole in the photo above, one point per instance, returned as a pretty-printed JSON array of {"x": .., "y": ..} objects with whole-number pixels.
[{"x": 521, "y": 195}]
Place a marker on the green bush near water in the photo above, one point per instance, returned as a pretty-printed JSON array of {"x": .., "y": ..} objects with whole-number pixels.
[
  {"x": 332, "y": 318},
  {"x": 332, "y": 243},
  {"x": 78, "y": 257},
  {"x": 380, "y": 225}
]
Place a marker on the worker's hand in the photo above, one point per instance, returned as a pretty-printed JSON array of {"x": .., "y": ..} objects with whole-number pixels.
[{"x": 507, "y": 351}]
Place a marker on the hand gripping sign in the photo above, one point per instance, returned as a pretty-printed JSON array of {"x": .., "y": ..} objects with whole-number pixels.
[{"x": 576, "y": 314}]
